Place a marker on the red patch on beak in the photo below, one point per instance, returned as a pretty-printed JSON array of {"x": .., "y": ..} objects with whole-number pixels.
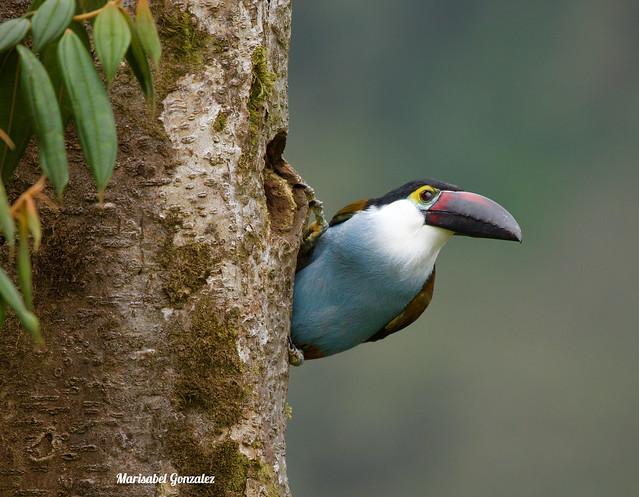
[
  {"x": 471, "y": 214},
  {"x": 447, "y": 199}
]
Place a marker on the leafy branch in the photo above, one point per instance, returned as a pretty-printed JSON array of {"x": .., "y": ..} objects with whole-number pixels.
[{"x": 46, "y": 83}]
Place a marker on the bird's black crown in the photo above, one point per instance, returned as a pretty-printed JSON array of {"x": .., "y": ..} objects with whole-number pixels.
[{"x": 405, "y": 190}]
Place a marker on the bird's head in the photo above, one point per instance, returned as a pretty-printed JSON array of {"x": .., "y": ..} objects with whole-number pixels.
[{"x": 448, "y": 207}]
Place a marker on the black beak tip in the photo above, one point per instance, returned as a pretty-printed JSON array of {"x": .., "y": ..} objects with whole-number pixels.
[
  {"x": 513, "y": 230},
  {"x": 515, "y": 233},
  {"x": 508, "y": 228}
]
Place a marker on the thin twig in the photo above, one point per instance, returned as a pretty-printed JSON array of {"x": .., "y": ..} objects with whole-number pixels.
[
  {"x": 7, "y": 139},
  {"x": 94, "y": 13},
  {"x": 32, "y": 191}
]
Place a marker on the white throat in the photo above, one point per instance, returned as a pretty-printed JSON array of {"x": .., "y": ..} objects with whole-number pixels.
[{"x": 410, "y": 246}]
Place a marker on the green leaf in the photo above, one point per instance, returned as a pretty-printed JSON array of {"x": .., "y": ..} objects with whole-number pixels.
[
  {"x": 136, "y": 58},
  {"x": 92, "y": 111},
  {"x": 6, "y": 220},
  {"x": 23, "y": 265},
  {"x": 14, "y": 114},
  {"x": 50, "y": 20},
  {"x": 33, "y": 223},
  {"x": 49, "y": 58},
  {"x": 112, "y": 38},
  {"x": 78, "y": 27},
  {"x": 46, "y": 118},
  {"x": 90, "y": 5},
  {"x": 12, "y": 297},
  {"x": 147, "y": 31},
  {"x": 12, "y": 32}
]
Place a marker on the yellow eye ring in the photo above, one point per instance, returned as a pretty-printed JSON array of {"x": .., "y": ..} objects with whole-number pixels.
[{"x": 424, "y": 194}]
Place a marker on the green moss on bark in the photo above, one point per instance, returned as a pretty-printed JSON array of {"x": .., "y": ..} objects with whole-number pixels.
[
  {"x": 188, "y": 266},
  {"x": 209, "y": 367},
  {"x": 193, "y": 455},
  {"x": 209, "y": 380},
  {"x": 266, "y": 476},
  {"x": 220, "y": 122},
  {"x": 186, "y": 46},
  {"x": 262, "y": 81}
]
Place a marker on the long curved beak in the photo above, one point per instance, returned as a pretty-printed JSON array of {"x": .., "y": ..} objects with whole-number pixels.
[{"x": 470, "y": 214}]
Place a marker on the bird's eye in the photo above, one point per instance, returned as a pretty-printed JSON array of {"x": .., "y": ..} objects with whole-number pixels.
[{"x": 427, "y": 195}]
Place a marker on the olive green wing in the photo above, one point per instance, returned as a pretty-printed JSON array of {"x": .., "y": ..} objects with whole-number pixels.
[
  {"x": 345, "y": 213},
  {"x": 411, "y": 312}
]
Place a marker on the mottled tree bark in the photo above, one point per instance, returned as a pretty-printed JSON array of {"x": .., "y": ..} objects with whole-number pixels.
[{"x": 166, "y": 311}]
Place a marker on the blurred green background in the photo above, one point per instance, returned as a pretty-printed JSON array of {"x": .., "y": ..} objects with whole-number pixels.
[{"x": 522, "y": 378}]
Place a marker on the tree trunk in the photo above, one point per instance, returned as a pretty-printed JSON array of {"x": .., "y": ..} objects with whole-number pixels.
[{"x": 165, "y": 311}]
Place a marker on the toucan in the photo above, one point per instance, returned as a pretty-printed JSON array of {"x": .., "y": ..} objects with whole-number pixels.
[{"x": 371, "y": 271}]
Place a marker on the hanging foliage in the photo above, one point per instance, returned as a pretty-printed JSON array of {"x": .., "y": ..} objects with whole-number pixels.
[{"x": 49, "y": 78}]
